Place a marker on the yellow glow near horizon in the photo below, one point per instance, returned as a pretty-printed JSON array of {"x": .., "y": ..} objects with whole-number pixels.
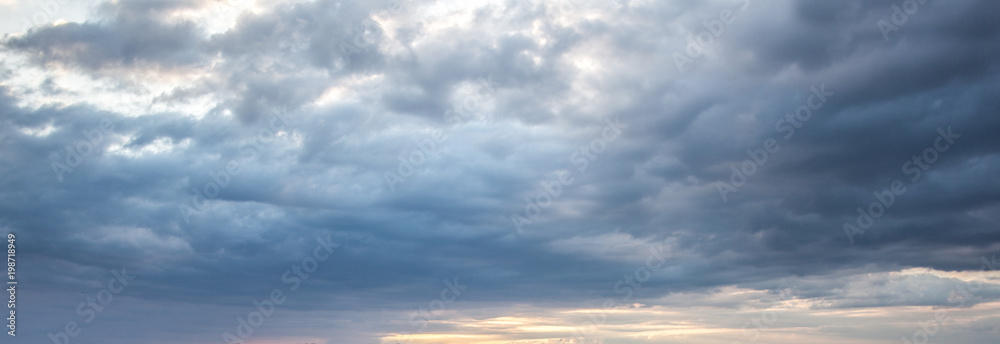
[{"x": 674, "y": 317}]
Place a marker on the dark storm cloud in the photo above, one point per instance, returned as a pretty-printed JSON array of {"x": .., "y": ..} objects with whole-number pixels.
[{"x": 324, "y": 174}]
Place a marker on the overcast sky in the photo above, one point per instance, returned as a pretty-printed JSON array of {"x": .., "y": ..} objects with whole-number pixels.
[{"x": 487, "y": 172}]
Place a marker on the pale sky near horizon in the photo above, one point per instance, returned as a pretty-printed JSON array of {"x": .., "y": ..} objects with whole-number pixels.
[{"x": 492, "y": 172}]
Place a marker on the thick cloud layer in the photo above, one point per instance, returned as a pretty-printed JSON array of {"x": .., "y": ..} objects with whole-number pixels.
[{"x": 678, "y": 169}]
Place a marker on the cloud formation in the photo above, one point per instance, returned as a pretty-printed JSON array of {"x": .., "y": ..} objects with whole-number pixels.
[{"x": 741, "y": 168}]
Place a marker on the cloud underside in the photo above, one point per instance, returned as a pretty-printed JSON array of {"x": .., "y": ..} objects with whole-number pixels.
[{"x": 830, "y": 163}]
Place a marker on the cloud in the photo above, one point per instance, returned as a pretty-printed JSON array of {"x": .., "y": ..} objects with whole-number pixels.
[{"x": 191, "y": 87}]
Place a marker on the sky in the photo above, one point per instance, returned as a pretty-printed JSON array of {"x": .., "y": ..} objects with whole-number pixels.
[{"x": 487, "y": 172}]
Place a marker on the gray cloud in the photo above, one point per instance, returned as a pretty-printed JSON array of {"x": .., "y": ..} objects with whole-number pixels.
[{"x": 205, "y": 96}]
